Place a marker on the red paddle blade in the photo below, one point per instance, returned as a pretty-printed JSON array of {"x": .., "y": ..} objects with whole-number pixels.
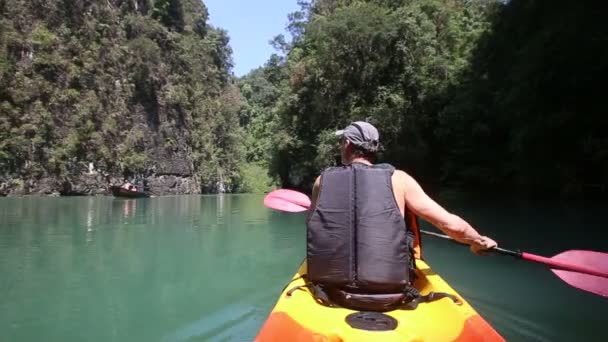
[
  {"x": 287, "y": 200},
  {"x": 598, "y": 261}
]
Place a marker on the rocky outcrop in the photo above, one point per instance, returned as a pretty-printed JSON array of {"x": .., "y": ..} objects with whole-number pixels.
[
  {"x": 87, "y": 184},
  {"x": 168, "y": 174},
  {"x": 52, "y": 186},
  {"x": 12, "y": 186},
  {"x": 173, "y": 185}
]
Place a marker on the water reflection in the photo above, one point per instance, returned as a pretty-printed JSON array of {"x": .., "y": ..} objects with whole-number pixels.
[
  {"x": 220, "y": 208},
  {"x": 89, "y": 224},
  {"x": 128, "y": 208}
]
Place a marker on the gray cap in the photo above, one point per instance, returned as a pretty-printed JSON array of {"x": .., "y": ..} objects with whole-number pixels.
[{"x": 361, "y": 134}]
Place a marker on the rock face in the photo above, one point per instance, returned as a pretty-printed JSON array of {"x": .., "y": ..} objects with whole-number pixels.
[
  {"x": 90, "y": 185},
  {"x": 12, "y": 186},
  {"x": 172, "y": 176},
  {"x": 167, "y": 173},
  {"x": 52, "y": 186},
  {"x": 173, "y": 185},
  {"x": 169, "y": 177},
  {"x": 84, "y": 184},
  {"x": 108, "y": 91}
]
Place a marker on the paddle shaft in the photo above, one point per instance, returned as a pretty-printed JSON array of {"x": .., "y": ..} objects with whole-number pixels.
[
  {"x": 495, "y": 249},
  {"x": 531, "y": 257}
]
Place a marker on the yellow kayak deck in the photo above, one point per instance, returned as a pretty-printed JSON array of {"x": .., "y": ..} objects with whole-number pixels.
[{"x": 299, "y": 318}]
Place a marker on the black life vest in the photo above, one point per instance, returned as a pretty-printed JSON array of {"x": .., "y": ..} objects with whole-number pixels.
[
  {"x": 357, "y": 239},
  {"x": 361, "y": 251}
]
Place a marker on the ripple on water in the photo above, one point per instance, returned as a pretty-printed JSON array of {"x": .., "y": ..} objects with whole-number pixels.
[{"x": 219, "y": 325}]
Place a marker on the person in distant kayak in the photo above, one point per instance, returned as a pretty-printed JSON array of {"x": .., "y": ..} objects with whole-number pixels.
[
  {"x": 129, "y": 186},
  {"x": 362, "y": 231}
]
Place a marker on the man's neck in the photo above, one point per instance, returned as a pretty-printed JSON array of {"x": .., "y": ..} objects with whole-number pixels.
[{"x": 361, "y": 160}]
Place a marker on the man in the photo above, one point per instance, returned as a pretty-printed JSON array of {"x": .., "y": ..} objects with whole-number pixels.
[
  {"x": 362, "y": 234},
  {"x": 359, "y": 142},
  {"x": 129, "y": 186}
]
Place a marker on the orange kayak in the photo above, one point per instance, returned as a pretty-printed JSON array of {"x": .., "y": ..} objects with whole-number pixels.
[{"x": 297, "y": 317}]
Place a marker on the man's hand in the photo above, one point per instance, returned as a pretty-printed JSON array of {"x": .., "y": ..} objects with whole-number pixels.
[{"x": 482, "y": 245}]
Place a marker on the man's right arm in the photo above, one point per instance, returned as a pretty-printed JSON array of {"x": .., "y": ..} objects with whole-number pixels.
[{"x": 429, "y": 210}]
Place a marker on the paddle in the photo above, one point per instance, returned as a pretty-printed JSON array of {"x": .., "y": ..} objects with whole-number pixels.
[{"x": 585, "y": 270}]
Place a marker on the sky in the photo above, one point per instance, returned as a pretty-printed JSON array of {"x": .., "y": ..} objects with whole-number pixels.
[{"x": 251, "y": 24}]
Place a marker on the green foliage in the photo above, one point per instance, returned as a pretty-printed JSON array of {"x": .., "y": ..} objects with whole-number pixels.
[
  {"x": 478, "y": 93},
  {"x": 170, "y": 13},
  {"x": 257, "y": 115},
  {"x": 42, "y": 38},
  {"x": 110, "y": 82},
  {"x": 531, "y": 103},
  {"x": 385, "y": 62},
  {"x": 255, "y": 179}
]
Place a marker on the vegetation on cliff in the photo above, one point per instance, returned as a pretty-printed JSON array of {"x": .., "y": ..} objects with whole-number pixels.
[
  {"x": 136, "y": 87},
  {"x": 483, "y": 94}
]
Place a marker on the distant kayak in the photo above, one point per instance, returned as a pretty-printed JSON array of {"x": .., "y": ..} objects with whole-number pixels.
[
  {"x": 118, "y": 191},
  {"x": 298, "y": 317}
]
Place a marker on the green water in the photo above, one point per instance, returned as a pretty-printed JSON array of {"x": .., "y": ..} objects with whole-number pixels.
[{"x": 209, "y": 268}]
